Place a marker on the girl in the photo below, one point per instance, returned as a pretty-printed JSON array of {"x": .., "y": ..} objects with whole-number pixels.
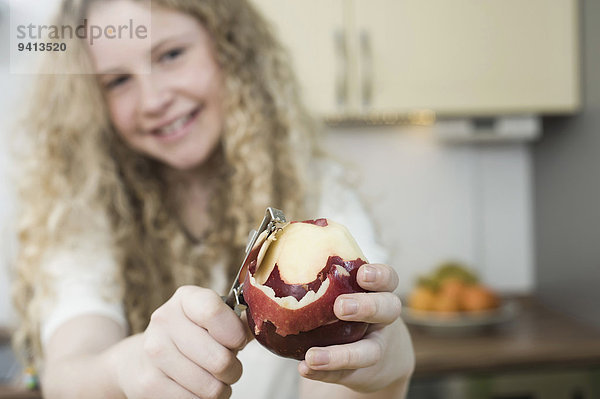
[{"x": 146, "y": 176}]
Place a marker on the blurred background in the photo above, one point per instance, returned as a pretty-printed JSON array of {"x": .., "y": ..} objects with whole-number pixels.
[{"x": 473, "y": 132}]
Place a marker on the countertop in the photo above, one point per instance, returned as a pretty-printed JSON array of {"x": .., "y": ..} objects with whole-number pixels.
[
  {"x": 537, "y": 337},
  {"x": 16, "y": 393}
]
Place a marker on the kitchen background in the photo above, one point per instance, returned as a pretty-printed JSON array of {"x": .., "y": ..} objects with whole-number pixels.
[{"x": 505, "y": 180}]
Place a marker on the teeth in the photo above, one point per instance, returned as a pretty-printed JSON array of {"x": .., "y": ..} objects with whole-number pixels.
[{"x": 173, "y": 127}]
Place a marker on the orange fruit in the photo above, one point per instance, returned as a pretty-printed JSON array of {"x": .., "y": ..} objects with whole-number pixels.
[
  {"x": 421, "y": 298},
  {"x": 478, "y": 297},
  {"x": 452, "y": 287},
  {"x": 446, "y": 303}
]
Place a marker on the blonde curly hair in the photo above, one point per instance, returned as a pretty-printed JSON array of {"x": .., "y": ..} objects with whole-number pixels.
[{"x": 79, "y": 169}]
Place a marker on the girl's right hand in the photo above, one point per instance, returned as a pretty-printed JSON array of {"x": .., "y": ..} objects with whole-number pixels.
[{"x": 188, "y": 350}]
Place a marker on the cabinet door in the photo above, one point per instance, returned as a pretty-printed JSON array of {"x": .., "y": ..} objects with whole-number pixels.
[
  {"x": 314, "y": 33},
  {"x": 468, "y": 56}
]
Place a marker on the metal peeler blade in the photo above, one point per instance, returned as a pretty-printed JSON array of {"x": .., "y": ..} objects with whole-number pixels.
[{"x": 272, "y": 220}]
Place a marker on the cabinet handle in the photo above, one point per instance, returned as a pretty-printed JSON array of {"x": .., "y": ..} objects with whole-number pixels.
[
  {"x": 341, "y": 83},
  {"x": 367, "y": 69}
]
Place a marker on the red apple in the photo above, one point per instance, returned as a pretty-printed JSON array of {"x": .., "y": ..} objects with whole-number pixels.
[{"x": 293, "y": 279}]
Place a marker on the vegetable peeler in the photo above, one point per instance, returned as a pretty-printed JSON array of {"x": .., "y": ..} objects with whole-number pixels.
[{"x": 273, "y": 221}]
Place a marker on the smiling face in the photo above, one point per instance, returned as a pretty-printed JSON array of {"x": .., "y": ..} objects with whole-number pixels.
[{"x": 165, "y": 102}]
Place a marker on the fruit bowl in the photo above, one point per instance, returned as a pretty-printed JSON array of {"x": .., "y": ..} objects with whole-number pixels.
[
  {"x": 453, "y": 299},
  {"x": 460, "y": 323}
]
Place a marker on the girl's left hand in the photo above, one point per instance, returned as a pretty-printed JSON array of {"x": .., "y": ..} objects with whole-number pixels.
[{"x": 385, "y": 354}]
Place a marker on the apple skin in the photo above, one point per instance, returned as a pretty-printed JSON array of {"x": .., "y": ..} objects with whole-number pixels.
[
  {"x": 295, "y": 346},
  {"x": 290, "y": 332}
]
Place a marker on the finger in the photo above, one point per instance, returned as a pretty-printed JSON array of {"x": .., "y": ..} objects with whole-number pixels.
[
  {"x": 158, "y": 385},
  {"x": 377, "y": 277},
  {"x": 207, "y": 353},
  {"x": 322, "y": 375},
  {"x": 360, "y": 354},
  {"x": 371, "y": 307},
  {"x": 167, "y": 358},
  {"x": 207, "y": 309}
]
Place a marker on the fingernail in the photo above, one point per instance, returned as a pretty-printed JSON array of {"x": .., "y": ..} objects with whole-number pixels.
[
  {"x": 369, "y": 274},
  {"x": 305, "y": 370},
  {"x": 349, "y": 307},
  {"x": 318, "y": 357}
]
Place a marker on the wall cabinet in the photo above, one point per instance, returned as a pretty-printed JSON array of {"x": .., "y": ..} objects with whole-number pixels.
[{"x": 459, "y": 57}]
